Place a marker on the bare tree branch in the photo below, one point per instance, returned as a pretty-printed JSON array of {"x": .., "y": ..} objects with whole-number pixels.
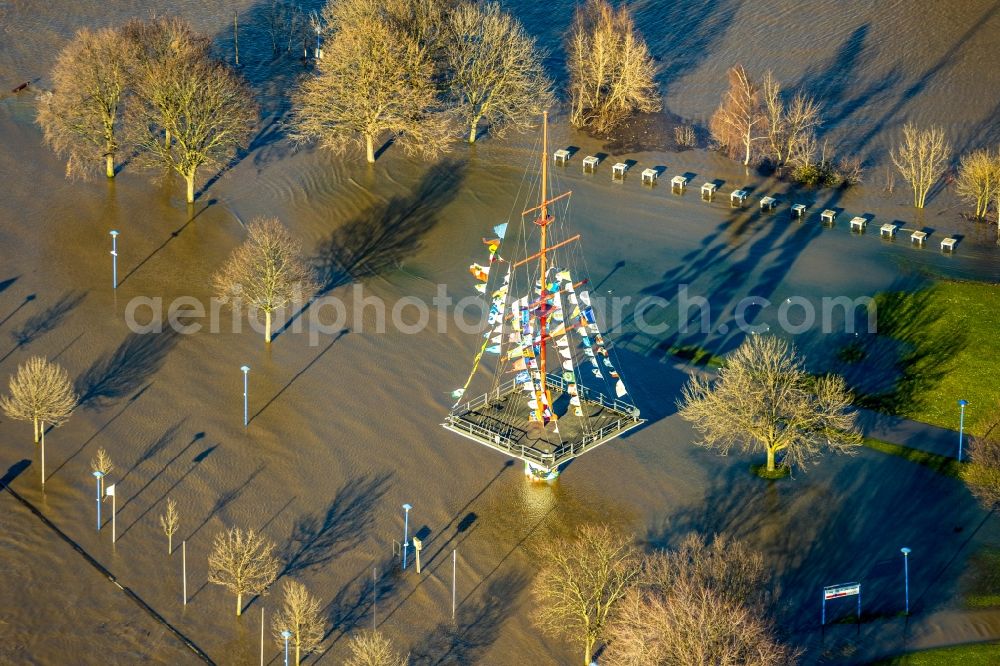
[
  {"x": 242, "y": 562},
  {"x": 763, "y": 399},
  {"x": 299, "y": 614},
  {"x": 266, "y": 272},
  {"x": 921, "y": 157}
]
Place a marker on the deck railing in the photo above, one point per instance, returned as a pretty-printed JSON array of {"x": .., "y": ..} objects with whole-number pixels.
[{"x": 553, "y": 381}]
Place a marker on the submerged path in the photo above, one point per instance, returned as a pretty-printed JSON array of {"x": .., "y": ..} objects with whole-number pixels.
[{"x": 5, "y": 485}]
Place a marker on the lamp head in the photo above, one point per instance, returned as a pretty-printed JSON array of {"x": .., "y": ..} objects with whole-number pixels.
[
  {"x": 286, "y": 634},
  {"x": 963, "y": 403},
  {"x": 97, "y": 474},
  {"x": 905, "y": 551},
  {"x": 245, "y": 368},
  {"x": 407, "y": 507},
  {"x": 114, "y": 232}
]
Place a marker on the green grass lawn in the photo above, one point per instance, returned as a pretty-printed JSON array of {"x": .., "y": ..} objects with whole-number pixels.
[
  {"x": 976, "y": 654},
  {"x": 943, "y": 343},
  {"x": 971, "y": 311}
]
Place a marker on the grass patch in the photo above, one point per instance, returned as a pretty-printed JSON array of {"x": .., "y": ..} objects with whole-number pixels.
[
  {"x": 974, "y": 654},
  {"x": 982, "y": 589},
  {"x": 941, "y": 342},
  {"x": 780, "y": 472},
  {"x": 938, "y": 463},
  {"x": 696, "y": 355}
]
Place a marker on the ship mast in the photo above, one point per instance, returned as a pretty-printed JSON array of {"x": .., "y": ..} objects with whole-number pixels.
[{"x": 543, "y": 222}]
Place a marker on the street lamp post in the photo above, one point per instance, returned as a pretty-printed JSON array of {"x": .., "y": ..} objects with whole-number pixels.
[
  {"x": 961, "y": 426},
  {"x": 906, "y": 576},
  {"x": 286, "y": 635},
  {"x": 114, "y": 257},
  {"x": 98, "y": 476},
  {"x": 406, "y": 530},
  {"x": 246, "y": 412}
]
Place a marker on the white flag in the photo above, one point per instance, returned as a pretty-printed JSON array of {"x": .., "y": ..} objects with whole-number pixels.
[{"x": 110, "y": 490}]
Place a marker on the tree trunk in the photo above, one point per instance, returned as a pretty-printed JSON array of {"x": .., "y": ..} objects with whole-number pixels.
[
  {"x": 267, "y": 327},
  {"x": 472, "y": 131},
  {"x": 36, "y": 430},
  {"x": 588, "y": 651},
  {"x": 770, "y": 459},
  {"x": 109, "y": 165},
  {"x": 746, "y": 160},
  {"x": 190, "y": 187},
  {"x": 170, "y": 544},
  {"x": 166, "y": 139},
  {"x": 239, "y": 604},
  {"x": 43, "y": 453},
  {"x": 297, "y": 649},
  {"x": 370, "y": 146}
]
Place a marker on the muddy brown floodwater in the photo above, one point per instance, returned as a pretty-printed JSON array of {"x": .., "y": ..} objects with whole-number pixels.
[{"x": 345, "y": 431}]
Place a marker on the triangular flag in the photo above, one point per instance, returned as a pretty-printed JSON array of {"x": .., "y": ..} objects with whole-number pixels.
[
  {"x": 620, "y": 389},
  {"x": 500, "y": 230},
  {"x": 110, "y": 490}
]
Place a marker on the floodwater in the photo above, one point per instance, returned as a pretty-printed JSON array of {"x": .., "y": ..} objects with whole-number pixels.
[{"x": 345, "y": 431}]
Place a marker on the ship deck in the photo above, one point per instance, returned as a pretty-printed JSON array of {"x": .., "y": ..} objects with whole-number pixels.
[{"x": 499, "y": 420}]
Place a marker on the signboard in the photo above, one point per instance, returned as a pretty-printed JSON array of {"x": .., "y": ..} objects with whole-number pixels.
[
  {"x": 843, "y": 590},
  {"x": 839, "y": 591}
]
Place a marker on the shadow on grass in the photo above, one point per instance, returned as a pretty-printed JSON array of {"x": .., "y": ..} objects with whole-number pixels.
[{"x": 911, "y": 353}]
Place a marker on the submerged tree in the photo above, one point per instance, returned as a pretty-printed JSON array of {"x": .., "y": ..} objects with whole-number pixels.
[
  {"x": 299, "y": 614},
  {"x": 192, "y": 113},
  {"x": 703, "y": 603},
  {"x": 763, "y": 399},
  {"x": 610, "y": 69},
  {"x": 81, "y": 118},
  {"x": 582, "y": 580},
  {"x": 266, "y": 272},
  {"x": 169, "y": 522},
  {"x": 790, "y": 124},
  {"x": 921, "y": 157},
  {"x": 979, "y": 179},
  {"x": 242, "y": 562},
  {"x": 375, "y": 82},
  {"x": 495, "y": 73},
  {"x": 373, "y": 648},
  {"x": 102, "y": 463},
  {"x": 740, "y": 123},
  {"x": 40, "y": 392}
]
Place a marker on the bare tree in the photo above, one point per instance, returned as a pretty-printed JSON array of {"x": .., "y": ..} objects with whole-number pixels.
[
  {"x": 979, "y": 179},
  {"x": 764, "y": 399},
  {"x": 266, "y": 272},
  {"x": 703, "y": 603},
  {"x": 81, "y": 118},
  {"x": 581, "y": 581},
  {"x": 375, "y": 81},
  {"x": 611, "y": 71},
  {"x": 40, "y": 392},
  {"x": 372, "y": 648},
  {"x": 285, "y": 22},
  {"x": 243, "y": 562},
  {"x": 299, "y": 614},
  {"x": 788, "y": 125},
  {"x": 192, "y": 113},
  {"x": 691, "y": 625},
  {"x": 102, "y": 463},
  {"x": 170, "y": 521},
  {"x": 495, "y": 70},
  {"x": 982, "y": 472},
  {"x": 921, "y": 157},
  {"x": 740, "y": 123}
]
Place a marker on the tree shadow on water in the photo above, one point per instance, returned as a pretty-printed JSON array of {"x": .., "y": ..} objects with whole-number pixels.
[
  {"x": 121, "y": 372},
  {"x": 384, "y": 234},
  {"x": 49, "y": 319},
  {"x": 317, "y": 539},
  {"x": 476, "y": 625}
]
